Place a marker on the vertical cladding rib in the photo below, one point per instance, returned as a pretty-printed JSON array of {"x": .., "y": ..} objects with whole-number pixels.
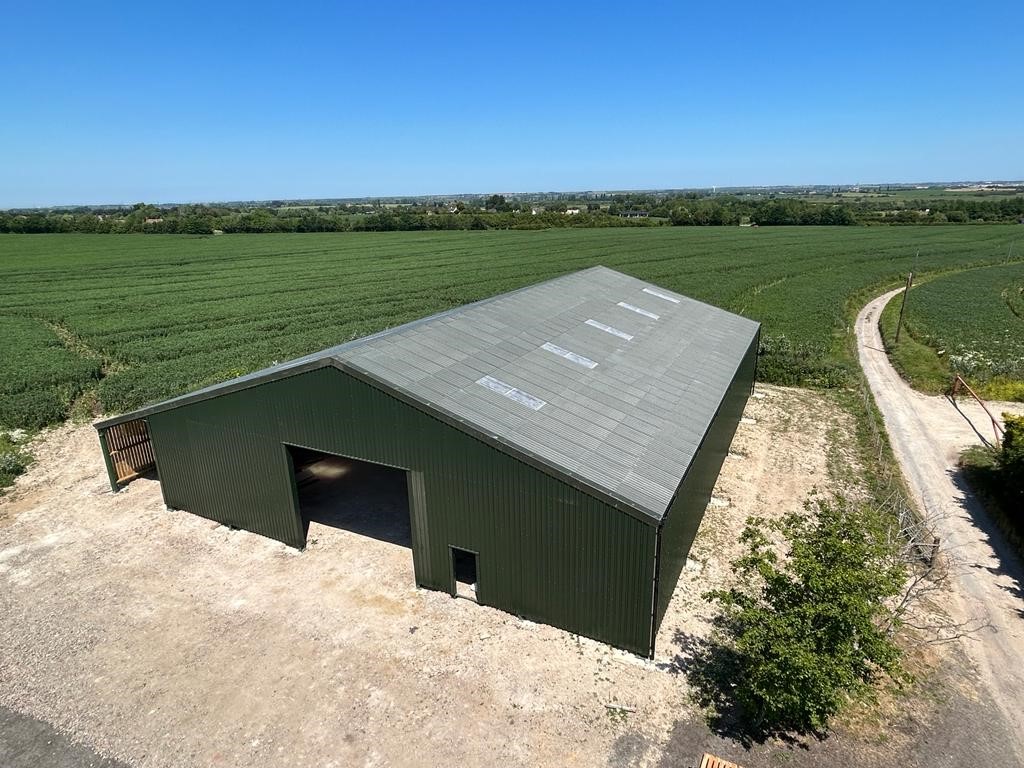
[{"x": 684, "y": 515}]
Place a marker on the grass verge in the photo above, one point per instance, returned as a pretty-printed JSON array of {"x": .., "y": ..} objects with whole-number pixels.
[
  {"x": 920, "y": 365},
  {"x": 926, "y": 369}
]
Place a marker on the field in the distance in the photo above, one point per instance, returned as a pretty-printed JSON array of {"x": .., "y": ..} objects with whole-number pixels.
[
  {"x": 971, "y": 323},
  {"x": 140, "y": 318}
]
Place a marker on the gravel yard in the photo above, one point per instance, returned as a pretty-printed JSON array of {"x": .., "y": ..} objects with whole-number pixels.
[{"x": 161, "y": 639}]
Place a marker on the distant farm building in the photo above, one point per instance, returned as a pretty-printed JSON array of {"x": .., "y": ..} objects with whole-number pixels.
[
  {"x": 552, "y": 450},
  {"x": 634, "y": 215},
  {"x": 571, "y": 211}
]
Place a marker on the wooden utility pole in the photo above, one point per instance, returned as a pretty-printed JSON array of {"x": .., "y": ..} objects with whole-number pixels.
[{"x": 903, "y": 306}]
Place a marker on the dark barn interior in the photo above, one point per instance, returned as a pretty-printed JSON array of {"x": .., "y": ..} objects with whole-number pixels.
[{"x": 358, "y": 496}]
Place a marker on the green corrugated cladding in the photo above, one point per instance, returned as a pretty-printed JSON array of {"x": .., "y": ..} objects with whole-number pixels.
[
  {"x": 691, "y": 500},
  {"x": 547, "y": 550}
]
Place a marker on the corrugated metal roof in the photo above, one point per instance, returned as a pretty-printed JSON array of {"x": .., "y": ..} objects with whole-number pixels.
[{"x": 626, "y": 426}]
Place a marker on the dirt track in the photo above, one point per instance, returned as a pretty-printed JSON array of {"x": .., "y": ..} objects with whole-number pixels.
[{"x": 927, "y": 435}]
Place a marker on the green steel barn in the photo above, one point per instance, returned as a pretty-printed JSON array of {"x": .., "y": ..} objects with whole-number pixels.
[{"x": 549, "y": 451}]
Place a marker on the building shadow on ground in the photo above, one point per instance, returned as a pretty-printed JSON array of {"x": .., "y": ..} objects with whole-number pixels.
[{"x": 711, "y": 668}]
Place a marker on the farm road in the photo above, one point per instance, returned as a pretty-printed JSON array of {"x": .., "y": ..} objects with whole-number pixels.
[{"x": 927, "y": 435}]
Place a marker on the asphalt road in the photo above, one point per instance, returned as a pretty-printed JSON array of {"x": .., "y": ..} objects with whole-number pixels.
[
  {"x": 29, "y": 743},
  {"x": 927, "y": 435}
]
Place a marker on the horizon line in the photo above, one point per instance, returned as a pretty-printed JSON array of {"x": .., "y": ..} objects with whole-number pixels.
[{"x": 594, "y": 191}]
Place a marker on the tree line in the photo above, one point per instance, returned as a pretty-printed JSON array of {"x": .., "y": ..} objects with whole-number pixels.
[
  {"x": 211, "y": 219},
  {"x": 496, "y": 212}
]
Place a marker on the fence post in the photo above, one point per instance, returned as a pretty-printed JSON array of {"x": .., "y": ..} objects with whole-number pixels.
[
  {"x": 105, "y": 449},
  {"x": 903, "y": 306}
]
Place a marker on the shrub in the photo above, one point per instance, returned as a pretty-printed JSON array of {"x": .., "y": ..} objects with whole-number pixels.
[
  {"x": 1011, "y": 461},
  {"x": 12, "y": 464},
  {"x": 811, "y": 629},
  {"x": 995, "y": 475}
]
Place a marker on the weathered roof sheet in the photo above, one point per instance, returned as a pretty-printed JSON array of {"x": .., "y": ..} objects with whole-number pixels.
[{"x": 601, "y": 376}]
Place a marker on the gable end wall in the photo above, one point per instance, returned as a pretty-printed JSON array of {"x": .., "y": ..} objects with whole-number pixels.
[{"x": 547, "y": 550}]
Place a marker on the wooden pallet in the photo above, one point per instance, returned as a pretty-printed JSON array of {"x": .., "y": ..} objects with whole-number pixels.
[
  {"x": 710, "y": 761},
  {"x": 130, "y": 450}
]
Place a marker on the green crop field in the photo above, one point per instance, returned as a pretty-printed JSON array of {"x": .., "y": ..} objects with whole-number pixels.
[
  {"x": 135, "y": 319},
  {"x": 939, "y": 193},
  {"x": 971, "y": 323},
  {"x": 37, "y": 371}
]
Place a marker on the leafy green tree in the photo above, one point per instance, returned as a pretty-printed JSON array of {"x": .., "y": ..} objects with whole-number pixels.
[
  {"x": 497, "y": 203},
  {"x": 1011, "y": 460},
  {"x": 194, "y": 223},
  {"x": 681, "y": 216},
  {"x": 812, "y": 628}
]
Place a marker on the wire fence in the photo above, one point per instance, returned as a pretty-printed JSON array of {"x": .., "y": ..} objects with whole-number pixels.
[{"x": 917, "y": 541}]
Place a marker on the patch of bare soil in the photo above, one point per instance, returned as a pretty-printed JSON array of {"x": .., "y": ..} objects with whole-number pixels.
[{"x": 162, "y": 639}]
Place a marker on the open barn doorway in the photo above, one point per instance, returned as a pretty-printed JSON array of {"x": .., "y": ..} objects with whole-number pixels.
[{"x": 359, "y": 496}]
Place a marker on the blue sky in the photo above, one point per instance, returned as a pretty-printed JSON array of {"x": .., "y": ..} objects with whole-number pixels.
[{"x": 216, "y": 101}]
